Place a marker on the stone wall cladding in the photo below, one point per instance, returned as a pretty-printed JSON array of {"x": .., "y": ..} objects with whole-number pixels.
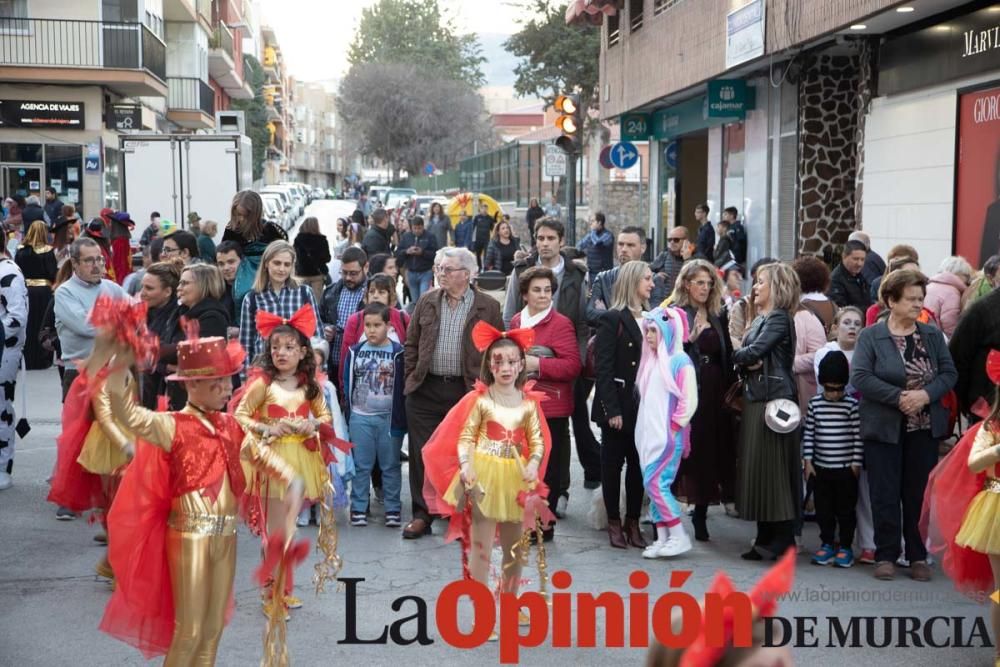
[{"x": 828, "y": 155}]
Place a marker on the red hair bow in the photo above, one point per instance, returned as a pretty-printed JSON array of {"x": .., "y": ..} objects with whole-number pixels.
[
  {"x": 303, "y": 321},
  {"x": 993, "y": 366},
  {"x": 484, "y": 335}
]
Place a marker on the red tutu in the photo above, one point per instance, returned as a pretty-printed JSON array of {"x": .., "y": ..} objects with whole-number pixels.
[
  {"x": 440, "y": 456},
  {"x": 950, "y": 490},
  {"x": 74, "y": 487}
]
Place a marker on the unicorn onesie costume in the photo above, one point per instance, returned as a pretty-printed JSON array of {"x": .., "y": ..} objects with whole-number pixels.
[{"x": 668, "y": 398}]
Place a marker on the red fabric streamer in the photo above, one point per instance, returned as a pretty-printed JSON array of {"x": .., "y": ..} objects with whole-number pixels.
[
  {"x": 303, "y": 321},
  {"x": 484, "y": 335},
  {"x": 127, "y": 319},
  {"x": 993, "y": 366},
  {"x": 950, "y": 489},
  {"x": 535, "y": 506},
  {"x": 73, "y": 487},
  {"x": 276, "y": 554}
]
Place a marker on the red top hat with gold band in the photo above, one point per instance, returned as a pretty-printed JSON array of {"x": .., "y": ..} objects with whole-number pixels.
[{"x": 206, "y": 358}]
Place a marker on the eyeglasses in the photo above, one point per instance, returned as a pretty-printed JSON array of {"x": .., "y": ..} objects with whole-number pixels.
[
  {"x": 169, "y": 251},
  {"x": 701, "y": 283},
  {"x": 448, "y": 270},
  {"x": 352, "y": 274},
  {"x": 92, "y": 261}
]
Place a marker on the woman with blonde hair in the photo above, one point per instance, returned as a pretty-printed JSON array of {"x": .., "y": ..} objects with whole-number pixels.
[
  {"x": 37, "y": 261},
  {"x": 620, "y": 340},
  {"x": 708, "y": 475},
  {"x": 275, "y": 291},
  {"x": 769, "y": 479}
]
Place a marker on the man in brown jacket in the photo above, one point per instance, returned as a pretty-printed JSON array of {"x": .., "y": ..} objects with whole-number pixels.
[{"x": 441, "y": 362}]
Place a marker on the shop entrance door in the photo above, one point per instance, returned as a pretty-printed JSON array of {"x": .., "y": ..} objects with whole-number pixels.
[{"x": 21, "y": 179}]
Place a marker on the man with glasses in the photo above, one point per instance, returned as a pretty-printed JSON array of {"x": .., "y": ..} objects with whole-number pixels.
[
  {"x": 668, "y": 265},
  {"x": 441, "y": 363},
  {"x": 74, "y": 300},
  {"x": 340, "y": 301}
]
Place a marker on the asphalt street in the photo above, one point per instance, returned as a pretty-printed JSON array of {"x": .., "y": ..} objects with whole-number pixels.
[{"x": 51, "y": 602}]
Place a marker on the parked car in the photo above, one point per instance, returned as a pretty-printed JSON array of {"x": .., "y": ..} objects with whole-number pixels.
[
  {"x": 298, "y": 202},
  {"x": 378, "y": 192},
  {"x": 274, "y": 210},
  {"x": 398, "y": 196}
]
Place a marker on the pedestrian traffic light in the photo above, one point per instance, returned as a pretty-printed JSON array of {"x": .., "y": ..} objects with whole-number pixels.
[{"x": 570, "y": 122}]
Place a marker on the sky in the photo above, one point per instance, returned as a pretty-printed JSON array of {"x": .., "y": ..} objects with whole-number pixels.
[{"x": 315, "y": 34}]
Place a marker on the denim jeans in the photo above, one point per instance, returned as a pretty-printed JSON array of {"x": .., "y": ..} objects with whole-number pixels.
[
  {"x": 418, "y": 282},
  {"x": 370, "y": 435}
]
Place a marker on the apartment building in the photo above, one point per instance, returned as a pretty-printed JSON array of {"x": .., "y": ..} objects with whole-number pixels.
[
  {"x": 319, "y": 149},
  {"x": 278, "y": 98},
  {"x": 812, "y": 118},
  {"x": 74, "y": 76}
]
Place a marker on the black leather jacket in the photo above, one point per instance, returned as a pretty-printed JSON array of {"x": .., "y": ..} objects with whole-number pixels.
[{"x": 771, "y": 339}]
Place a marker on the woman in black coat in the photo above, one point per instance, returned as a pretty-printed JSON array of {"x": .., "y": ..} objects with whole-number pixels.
[
  {"x": 769, "y": 480},
  {"x": 159, "y": 292},
  {"x": 37, "y": 261},
  {"x": 312, "y": 254},
  {"x": 199, "y": 297},
  {"x": 616, "y": 406}
]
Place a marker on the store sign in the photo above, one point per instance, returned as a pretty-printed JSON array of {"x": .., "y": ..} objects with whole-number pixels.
[
  {"x": 42, "y": 114},
  {"x": 964, "y": 46},
  {"x": 124, "y": 117},
  {"x": 695, "y": 114},
  {"x": 727, "y": 98},
  {"x": 636, "y": 126},
  {"x": 745, "y": 30}
]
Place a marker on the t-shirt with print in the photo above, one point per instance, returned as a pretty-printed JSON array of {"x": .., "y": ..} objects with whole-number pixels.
[
  {"x": 919, "y": 373},
  {"x": 374, "y": 379}
]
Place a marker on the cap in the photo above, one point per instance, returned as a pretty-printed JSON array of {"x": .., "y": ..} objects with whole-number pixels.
[
  {"x": 834, "y": 369},
  {"x": 193, "y": 217}
]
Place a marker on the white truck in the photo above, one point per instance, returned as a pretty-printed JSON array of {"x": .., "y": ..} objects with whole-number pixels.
[{"x": 176, "y": 174}]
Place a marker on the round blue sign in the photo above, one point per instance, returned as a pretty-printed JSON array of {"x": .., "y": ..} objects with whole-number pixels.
[
  {"x": 21, "y": 172},
  {"x": 624, "y": 155},
  {"x": 670, "y": 154}
]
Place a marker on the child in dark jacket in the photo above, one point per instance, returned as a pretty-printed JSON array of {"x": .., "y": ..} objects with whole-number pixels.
[{"x": 375, "y": 412}]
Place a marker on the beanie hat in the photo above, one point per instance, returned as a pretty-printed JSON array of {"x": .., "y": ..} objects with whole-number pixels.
[{"x": 834, "y": 369}]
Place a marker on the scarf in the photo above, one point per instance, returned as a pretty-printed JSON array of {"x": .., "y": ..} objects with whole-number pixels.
[{"x": 529, "y": 322}]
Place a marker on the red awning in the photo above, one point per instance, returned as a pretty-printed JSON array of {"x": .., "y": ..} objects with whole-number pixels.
[{"x": 591, "y": 11}]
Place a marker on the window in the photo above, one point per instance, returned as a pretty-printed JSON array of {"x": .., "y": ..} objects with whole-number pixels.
[
  {"x": 660, "y": 6},
  {"x": 613, "y": 32},
  {"x": 635, "y": 14},
  {"x": 12, "y": 16},
  {"x": 120, "y": 11}
]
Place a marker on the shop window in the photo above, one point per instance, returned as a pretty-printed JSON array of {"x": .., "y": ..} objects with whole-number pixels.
[
  {"x": 635, "y": 14},
  {"x": 614, "y": 34},
  {"x": 64, "y": 171},
  {"x": 660, "y": 6},
  {"x": 20, "y": 153},
  {"x": 733, "y": 158},
  {"x": 112, "y": 197}
]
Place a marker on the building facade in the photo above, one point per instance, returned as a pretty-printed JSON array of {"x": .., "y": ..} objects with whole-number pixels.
[
  {"x": 782, "y": 109},
  {"x": 278, "y": 99},
  {"x": 319, "y": 148}
]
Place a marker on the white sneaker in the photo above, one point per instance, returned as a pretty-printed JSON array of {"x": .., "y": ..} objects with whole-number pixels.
[
  {"x": 303, "y": 519},
  {"x": 5, "y": 481},
  {"x": 675, "y": 546},
  {"x": 731, "y": 510},
  {"x": 653, "y": 550},
  {"x": 561, "y": 505}
]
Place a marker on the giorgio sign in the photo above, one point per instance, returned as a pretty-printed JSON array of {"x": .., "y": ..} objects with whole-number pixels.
[
  {"x": 963, "y": 46},
  {"x": 43, "y": 113}
]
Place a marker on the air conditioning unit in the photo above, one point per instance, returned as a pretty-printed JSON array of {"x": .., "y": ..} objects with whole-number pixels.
[{"x": 230, "y": 122}]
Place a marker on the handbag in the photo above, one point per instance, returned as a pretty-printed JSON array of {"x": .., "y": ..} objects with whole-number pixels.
[
  {"x": 781, "y": 415},
  {"x": 733, "y": 398},
  {"x": 590, "y": 362}
]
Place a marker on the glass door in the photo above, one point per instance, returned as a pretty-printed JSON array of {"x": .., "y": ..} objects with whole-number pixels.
[{"x": 21, "y": 179}]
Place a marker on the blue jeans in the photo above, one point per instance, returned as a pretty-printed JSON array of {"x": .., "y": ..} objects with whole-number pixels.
[
  {"x": 418, "y": 282},
  {"x": 370, "y": 435}
]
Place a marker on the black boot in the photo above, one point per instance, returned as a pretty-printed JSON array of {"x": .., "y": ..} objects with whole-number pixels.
[{"x": 699, "y": 519}]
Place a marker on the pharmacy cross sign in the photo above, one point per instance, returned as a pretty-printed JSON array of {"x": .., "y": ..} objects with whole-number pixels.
[{"x": 624, "y": 154}]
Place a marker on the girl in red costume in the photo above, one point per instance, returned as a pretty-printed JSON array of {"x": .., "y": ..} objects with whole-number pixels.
[
  {"x": 961, "y": 514},
  {"x": 283, "y": 404},
  {"x": 484, "y": 463},
  {"x": 172, "y": 529}
]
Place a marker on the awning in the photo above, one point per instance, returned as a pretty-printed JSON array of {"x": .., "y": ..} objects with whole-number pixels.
[{"x": 590, "y": 11}]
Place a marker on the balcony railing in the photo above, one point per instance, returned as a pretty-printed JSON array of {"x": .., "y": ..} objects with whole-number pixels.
[
  {"x": 190, "y": 94},
  {"x": 87, "y": 44},
  {"x": 222, "y": 38}
]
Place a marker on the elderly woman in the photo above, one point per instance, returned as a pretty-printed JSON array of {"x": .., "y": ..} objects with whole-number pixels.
[
  {"x": 945, "y": 290},
  {"x": 769, "y": 478},
  {"x": 708, "y": 475},
  {"x": 275, "y": 291},
  {"x": 554, "y": 361},
  {"x": 206, "y": 241},
  {"x": 199, "y": 297},
  {"x": 616, "y": 407},
  {"x": 902, "y": 368}
]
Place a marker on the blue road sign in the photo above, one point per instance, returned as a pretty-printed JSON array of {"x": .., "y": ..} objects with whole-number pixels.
[
  {"x": 624, "y": 155},
  {"x": 429, "y": 168},
  {"x": 670, "y": 154}
]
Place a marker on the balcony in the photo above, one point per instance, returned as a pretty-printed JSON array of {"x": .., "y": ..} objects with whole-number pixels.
[
  {"x": 190, "y": 103},
  {"x": 125, "y": 57},
  {"x": 225, "y": 63}
]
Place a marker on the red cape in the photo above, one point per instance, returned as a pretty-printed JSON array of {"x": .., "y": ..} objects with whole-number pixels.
[{"x": 74, "y": 487}]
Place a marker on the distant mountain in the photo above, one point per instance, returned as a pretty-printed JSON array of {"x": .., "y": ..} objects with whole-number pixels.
[{"x": 499, "y": 65}]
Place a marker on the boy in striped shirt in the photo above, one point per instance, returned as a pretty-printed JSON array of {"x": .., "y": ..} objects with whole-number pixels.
[{"x": 833, "y": 453}]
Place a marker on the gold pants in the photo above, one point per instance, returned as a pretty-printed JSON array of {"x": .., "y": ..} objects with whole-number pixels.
[{"x": 202, "y": 568}]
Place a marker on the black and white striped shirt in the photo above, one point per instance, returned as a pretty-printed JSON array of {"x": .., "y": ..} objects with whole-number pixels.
[{"x": 832, "y": 434}]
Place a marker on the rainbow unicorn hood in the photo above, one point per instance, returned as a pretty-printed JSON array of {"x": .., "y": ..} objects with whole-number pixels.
[{"x": 672, "y": 324}]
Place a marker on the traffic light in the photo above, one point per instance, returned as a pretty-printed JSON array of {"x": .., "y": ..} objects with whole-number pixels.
[{"x": 570, "y": 122}]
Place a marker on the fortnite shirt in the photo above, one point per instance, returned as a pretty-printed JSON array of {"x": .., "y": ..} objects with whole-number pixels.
[{"x": 374, "y": 378}]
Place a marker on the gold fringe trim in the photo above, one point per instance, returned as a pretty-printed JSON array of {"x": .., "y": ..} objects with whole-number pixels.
[
  {"x": 330, "y": 565},
  {"x": 276, "y": 635}
]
